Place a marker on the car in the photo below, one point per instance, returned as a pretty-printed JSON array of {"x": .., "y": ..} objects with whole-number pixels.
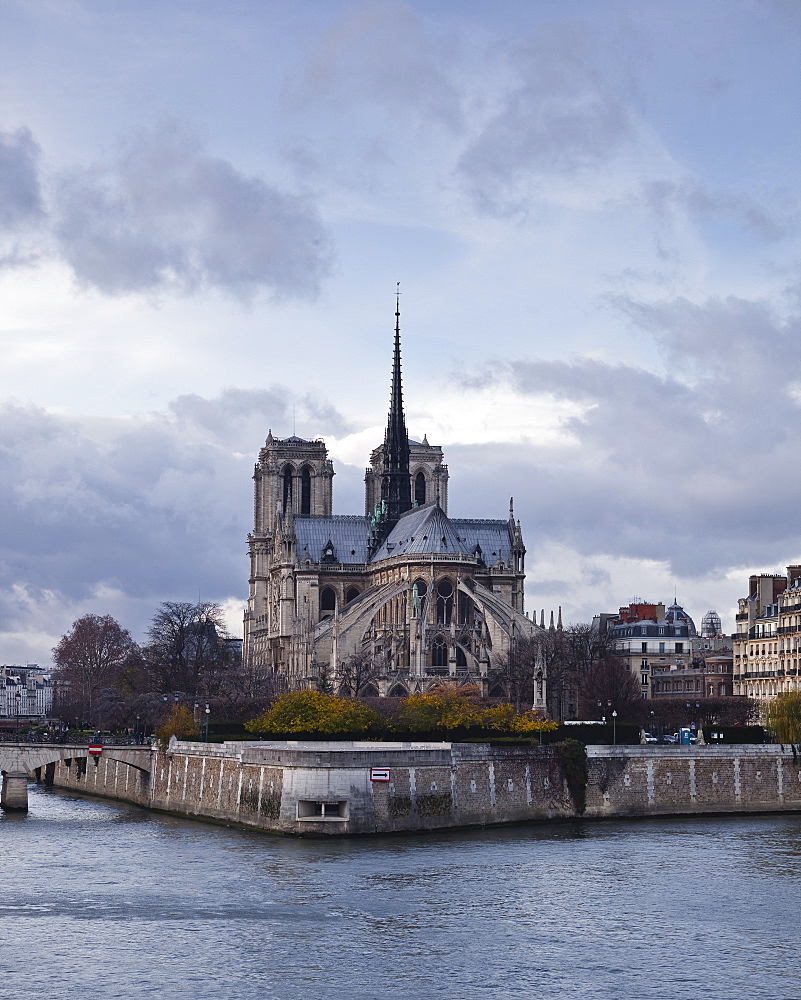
[
  {"x": 668, "y": 739},
  {"x": 650, "y": 738}
]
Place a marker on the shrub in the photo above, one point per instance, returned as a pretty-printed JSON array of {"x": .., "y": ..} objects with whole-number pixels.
[
  {"x": 180, "y": 724},
  {"x": 314, "y": 712}
]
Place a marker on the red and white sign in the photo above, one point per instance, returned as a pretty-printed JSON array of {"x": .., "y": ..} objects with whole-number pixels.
[
  {"x": 95, "y": 749},
  {"x": 379, "y": 774}
]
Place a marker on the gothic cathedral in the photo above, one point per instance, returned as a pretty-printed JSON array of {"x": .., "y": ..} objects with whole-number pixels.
[{"x": 409, "y": 595}]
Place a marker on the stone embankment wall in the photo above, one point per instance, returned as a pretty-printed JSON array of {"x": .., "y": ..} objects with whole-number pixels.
[
  {"x": 646, "y": 781},
  {"x": 331, "y": 788},
  {"x": 327, "y": 788}
]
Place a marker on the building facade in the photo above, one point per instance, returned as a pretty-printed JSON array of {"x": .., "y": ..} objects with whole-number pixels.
[
  {"x": 26, "y": 694},
  {"x": 767, "y": 644},
  {"x": 389, "y": 602},
  {"x": 656, "y": 643}
]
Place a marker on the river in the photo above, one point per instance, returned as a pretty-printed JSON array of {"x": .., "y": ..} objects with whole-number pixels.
[{"x": 105, "y": 901}]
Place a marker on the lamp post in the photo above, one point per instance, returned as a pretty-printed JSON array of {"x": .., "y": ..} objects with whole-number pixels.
[
  {"x": 17, "y": 696},
  {"x": 208, "y": 713},
  {"x": 614, "y": 727}
]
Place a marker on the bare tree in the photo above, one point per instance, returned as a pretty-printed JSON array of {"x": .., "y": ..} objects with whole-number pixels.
[
  {"x": 186, "y": 651},
  {"x": 355, "y": 673},
  {"x": 567, "y": 655},
  {"x": 520, "y": 668},
  {"x": 609, "y": 685},
  {"x": 91, "y": 657}
]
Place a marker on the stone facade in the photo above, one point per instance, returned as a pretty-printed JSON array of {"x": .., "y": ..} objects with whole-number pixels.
[
  {"x": 26, "y": 695},
  {"x": 653, "y": 640},
  {"x": 767, "y": 644},
  {"x": 414, "y": 594}
]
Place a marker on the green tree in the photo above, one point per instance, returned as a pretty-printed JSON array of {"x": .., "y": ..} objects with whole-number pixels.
[
  {"x": 783, "y": 717},
  {"x": 314, "y": 712}
]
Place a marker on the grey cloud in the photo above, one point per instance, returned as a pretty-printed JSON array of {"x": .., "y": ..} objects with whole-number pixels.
[
  {"x": 156, "y": 507},
  {"x": 565, "y": 115},
  {"x": 166, "y": 216},
  {"x": 698, "y": 467},
  {"x": 20, "y": 188},
  {"x": 378, "y": 54},
  {"x": 225, "y": 415},
  {"x": 667, "y": 197},
  {"x": 22, "y": 211}
]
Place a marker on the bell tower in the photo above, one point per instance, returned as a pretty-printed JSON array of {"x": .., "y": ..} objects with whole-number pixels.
[{"x": 291, "y": 474}]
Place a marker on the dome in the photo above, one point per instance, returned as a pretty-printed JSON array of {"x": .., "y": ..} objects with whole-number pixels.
[
  {"x": 710, "y": 625},
  {"x": 676, "y": 615}
]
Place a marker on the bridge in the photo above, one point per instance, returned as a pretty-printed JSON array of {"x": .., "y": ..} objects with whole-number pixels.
[{"x": 19, "y": 759}]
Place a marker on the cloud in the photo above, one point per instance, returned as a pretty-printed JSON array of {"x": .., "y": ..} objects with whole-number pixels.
[
  {"x": 21, "y": 204},
  {"x": 563, "y": 116},
  {"x": 122, "y": 514},
  {"x": 378, "y": 54},
  {"x": 165, "y": 216},
  {"x": 20, "y": 190},
  {"x": 666, "y": 198},
  {"x": 696, "y": 467}
]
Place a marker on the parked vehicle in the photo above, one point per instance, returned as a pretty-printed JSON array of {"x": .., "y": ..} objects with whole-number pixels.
[{"x": 650, "y": 738}]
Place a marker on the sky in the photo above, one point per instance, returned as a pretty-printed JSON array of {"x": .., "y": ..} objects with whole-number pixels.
[{"x": 592, "y": 208}]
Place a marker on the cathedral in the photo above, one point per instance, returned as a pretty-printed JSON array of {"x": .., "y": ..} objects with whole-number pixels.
[{"x": 391, "y": 602}]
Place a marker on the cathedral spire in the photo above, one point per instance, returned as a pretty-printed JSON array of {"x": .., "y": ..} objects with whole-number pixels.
[{"x": 396, "y": 486}]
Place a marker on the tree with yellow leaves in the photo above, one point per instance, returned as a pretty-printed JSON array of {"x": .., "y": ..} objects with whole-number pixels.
[{"x": 314, "y": 712}]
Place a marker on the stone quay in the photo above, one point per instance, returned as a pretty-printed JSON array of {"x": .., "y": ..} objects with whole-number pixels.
[{"x": 334, "y": 789}]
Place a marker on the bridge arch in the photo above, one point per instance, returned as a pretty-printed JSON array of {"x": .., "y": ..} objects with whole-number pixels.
[{"x": 19, "y": 760}]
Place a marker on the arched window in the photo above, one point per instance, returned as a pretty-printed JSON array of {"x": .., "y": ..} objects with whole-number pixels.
[
  {"x": 328, "y": 602},
  {"x": 444, "y": 602},
  {"x": 420, "y": 489},
  {"x": 461, "y": 659},
  {"x": 305, "y": 492},
  {"x": 439, "y": 653},
  {"x": 287, "y": 488},
  {"x": 351, "y": 594}
]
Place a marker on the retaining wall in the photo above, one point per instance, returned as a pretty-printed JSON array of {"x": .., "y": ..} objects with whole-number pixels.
[{"x": 330, "y": 789}]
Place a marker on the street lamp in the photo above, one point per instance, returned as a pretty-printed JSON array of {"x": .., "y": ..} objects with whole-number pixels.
[
  {"x": 18, "y": 695},
  {"x": 614, "y": 727},
  {"x": 208, "y": 712}
]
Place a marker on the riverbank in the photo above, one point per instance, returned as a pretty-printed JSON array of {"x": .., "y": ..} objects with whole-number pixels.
[{"x": 334, "y": 789}]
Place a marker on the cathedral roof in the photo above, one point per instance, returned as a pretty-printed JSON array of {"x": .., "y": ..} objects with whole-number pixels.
[
  {"x": 492, "y": 537},
  {"x": 348, "y": 533},
  {"x": 421, "y": 530}
]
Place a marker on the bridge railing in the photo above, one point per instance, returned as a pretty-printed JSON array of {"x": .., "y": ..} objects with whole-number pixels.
[{"x": 75, "y": 739}]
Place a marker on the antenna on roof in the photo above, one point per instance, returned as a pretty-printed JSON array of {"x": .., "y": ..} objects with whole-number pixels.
[{"x": 293, "y": 420}]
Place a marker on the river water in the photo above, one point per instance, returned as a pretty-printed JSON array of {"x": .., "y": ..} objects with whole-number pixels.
[{"x": 105, "y": 901}]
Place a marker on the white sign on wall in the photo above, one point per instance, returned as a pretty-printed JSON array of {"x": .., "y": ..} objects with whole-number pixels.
[{"x": 379, "y": 774}]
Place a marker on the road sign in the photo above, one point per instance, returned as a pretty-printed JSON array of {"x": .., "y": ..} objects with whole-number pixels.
[
  {"x": 379, "y": 774},
  {"x": 95, "y": 749}
]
